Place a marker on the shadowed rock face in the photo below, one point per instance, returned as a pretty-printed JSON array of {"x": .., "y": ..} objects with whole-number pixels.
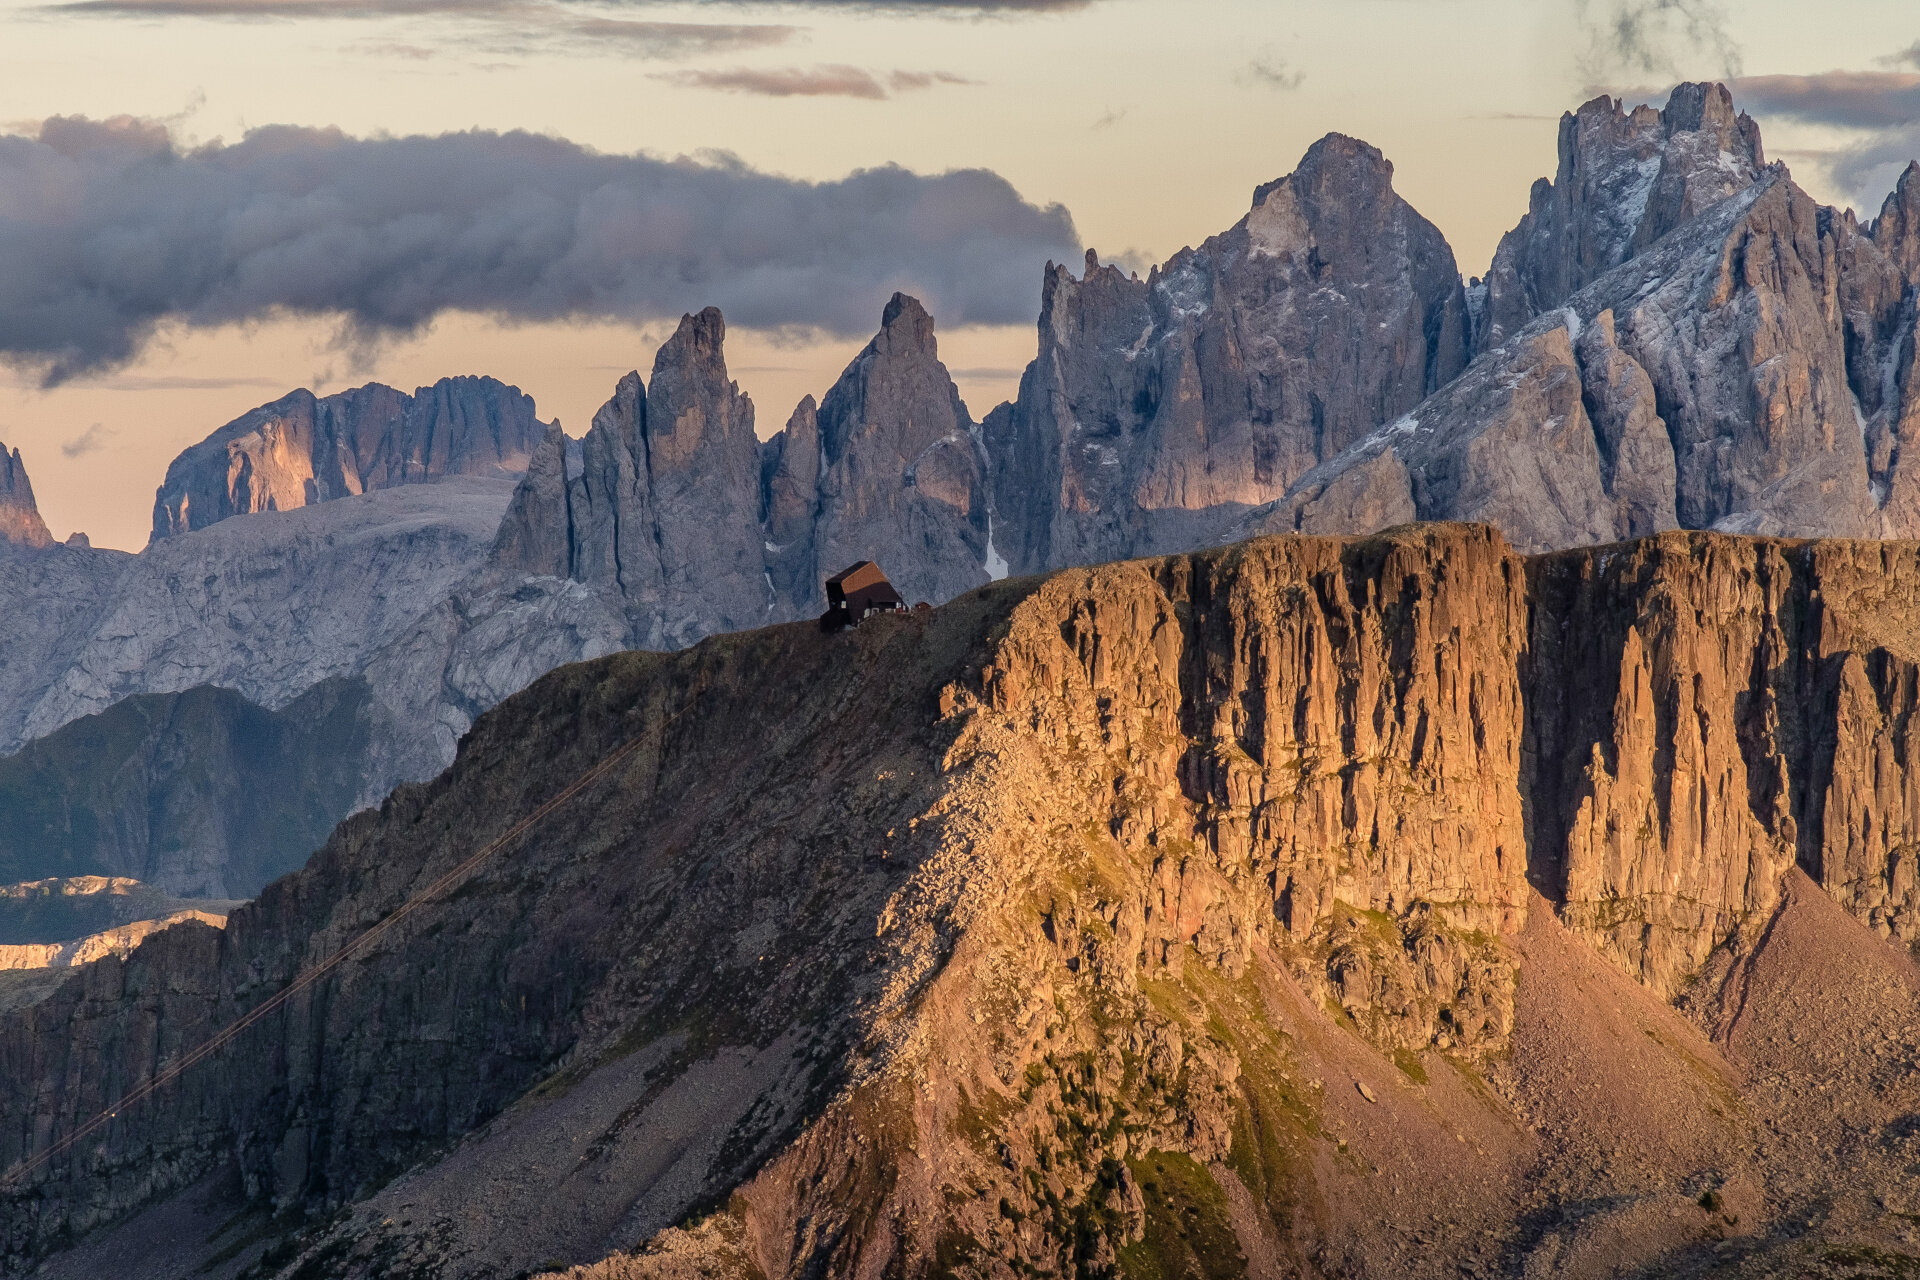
[
  {"x": 305, "y": 449},
  {"x": 887, "y": 466},
  {"x": 1204, "y": 889},
  {"x": 1157, "y": 406},
  {"x": 20, "y": 521}
]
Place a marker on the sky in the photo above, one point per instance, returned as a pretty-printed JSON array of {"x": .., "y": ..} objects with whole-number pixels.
[{"x": 207, "y": 203}]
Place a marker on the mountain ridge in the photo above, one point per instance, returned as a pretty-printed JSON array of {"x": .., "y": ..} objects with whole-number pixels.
[{"x": 1208, "y": 882}]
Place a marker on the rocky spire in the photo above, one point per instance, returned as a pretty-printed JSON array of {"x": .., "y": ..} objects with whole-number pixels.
[
  {"x": 20, "y": 521},
  {"x": 665, "y": 509},
  {"x": 1625, "y": 179},
  {"x": 900, "y": 474},
  {"x": 790, "y": 502}
]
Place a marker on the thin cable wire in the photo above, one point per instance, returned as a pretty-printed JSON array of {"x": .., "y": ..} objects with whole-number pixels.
[{"x": 233, "y": 1030}]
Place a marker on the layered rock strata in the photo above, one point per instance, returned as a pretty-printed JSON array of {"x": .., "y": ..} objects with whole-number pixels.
[{"x": 1183, "y": 893}]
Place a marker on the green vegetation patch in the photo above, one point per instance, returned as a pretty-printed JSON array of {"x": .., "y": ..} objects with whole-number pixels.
[{"x": 1189, "y": 1235}]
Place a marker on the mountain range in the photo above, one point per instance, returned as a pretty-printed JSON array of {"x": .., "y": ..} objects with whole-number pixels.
[{"x": 1409, "y": 775}]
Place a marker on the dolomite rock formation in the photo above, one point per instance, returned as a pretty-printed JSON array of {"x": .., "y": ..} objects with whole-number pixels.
[
  {"x": 1704, "y": 384},
  {"x": 1158, "y": 408},
  {"x": 20, "y": 521},
  {"x": 199, "y": 794},
  {"x": 1153, "y": 913},
  {"x": 887, "y": 465},
  {"x": 304, "y": 449},
  {"x": 1625, "y": 180}
]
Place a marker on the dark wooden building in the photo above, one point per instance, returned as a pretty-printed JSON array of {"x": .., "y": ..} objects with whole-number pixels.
[{"x": 855, "y": 592}]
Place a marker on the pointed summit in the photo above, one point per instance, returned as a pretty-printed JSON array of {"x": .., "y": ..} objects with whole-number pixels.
[
  {"x": 20, "y": 521},
  {"x": 1625, "y": 179}
]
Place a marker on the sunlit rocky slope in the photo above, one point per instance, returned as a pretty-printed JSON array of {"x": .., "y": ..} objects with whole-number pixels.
[{"x": 1390, "y": 906}]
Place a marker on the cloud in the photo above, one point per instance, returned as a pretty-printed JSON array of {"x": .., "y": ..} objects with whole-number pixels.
[
  {"x": 1271, "y": 73},
  {"x": 295, "y": 9},
  {"x": 94, "y": 437},
  {"x": 1881, "y": 108},
  {"x": 1907, "y": 57},
  {"x": 519, "y": 21},
  {"x": 834, "y": 81},
  {"x": 108, "y": 228},
  {"x": 1849, "y": 99},
  {"x": 1636, "y": 40}
]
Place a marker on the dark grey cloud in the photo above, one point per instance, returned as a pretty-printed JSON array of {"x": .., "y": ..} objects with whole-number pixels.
[
  {"x": 1271, "y": 73},
  {"x": 830, "y": 81},
  {"x": 94, "y": 437},
  {"x": 1632, "y": 41},
  {"x": 108, "y": 228},
  {"x": 1849, "y": 99},
  {"x": 520, "y": 24},
  {"x": 294, "y": 9}
]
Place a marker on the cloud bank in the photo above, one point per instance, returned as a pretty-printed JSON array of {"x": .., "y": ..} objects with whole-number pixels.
[
  {"x": 108, "y": 228},
  {"x": 1882, "y": 108}
]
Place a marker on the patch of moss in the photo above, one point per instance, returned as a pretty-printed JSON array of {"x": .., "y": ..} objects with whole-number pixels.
[
  {"x": 1189, "y": 1235},
  {"x": 1410, "y": 1065}
]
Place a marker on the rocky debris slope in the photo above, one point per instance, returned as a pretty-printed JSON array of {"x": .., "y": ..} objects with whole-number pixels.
[
  {"x": 20, "y": 521},
  {"x": 1155, "y": 407},
  {"x": 1180, "y": 916},
  {"x": 304, "y": 449}
]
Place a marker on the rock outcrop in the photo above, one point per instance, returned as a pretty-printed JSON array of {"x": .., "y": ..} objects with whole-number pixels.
[
  {"x": 1625, "y": 180},
  {"x": 20, "y": 521},
  {"x": 1704, "y": 384},
  {"x": 1165, "y": 911},
  {"x": 200, "y": 794},
  {"x": 304, "y": 449},
  {"x": 888, "y": 466},
  {"x": 1156, "y": 409}
]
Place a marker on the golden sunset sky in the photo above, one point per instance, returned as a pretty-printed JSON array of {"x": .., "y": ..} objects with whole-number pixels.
[{"x": 1150, "y": 121}]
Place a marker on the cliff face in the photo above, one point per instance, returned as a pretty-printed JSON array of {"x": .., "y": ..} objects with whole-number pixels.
[
  {"x": 20, "y": 521},
  {"x": 1625, "y": 179},
  {"x": 305, "y": 449},
  {"x": 1157, "y": 406},
  {"x": 1226, "y": 894},
  {"x": 200, "y": 794}
]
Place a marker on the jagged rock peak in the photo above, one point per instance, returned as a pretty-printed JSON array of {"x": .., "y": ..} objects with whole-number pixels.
[
  {"x": 1897, "y": 229},
  {"x": 899, "y": 471},
  {"x": 20, "y": 520},
  {"x": 1156, "y": 407},
  {"x": 1625, "y": 179},
  {"x": 303, "y": 449}
]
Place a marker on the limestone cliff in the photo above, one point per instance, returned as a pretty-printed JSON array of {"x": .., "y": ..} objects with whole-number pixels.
[
  {"x": 1155, "y": 408},
  {"x": 304, "y": 449},
  {"x": 20, "y": 521},
  {"x": 1302, "y": 907}
]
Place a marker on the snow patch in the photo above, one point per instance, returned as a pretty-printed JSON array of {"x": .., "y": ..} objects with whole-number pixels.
[
  {"x": 996, "y": 565},
  {"x": 1575, "y": 325}
]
